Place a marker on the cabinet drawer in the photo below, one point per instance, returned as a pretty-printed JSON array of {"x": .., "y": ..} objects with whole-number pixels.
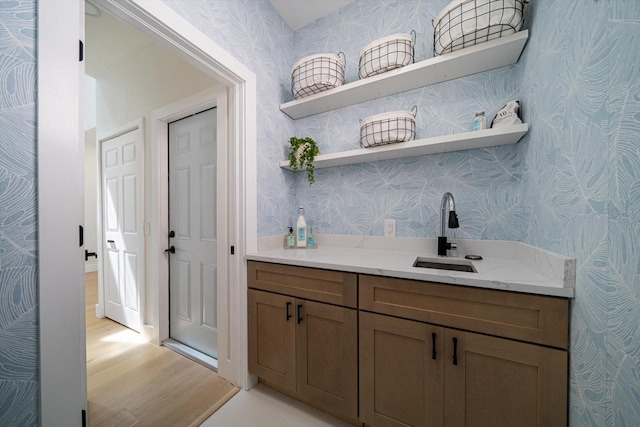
[
  {"x": 333, "y": 287},
  {"x": 533, "y": 318}
]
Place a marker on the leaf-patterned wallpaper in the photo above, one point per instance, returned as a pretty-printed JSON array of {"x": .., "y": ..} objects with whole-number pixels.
[
  {"x": 19, "y": 402},
  {"x": 572, "y": 185}
]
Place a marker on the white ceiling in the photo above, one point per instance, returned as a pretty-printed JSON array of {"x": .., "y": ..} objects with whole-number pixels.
[
  {"x": 109, "y": 41},
  {"x": 298, "y": 13}
]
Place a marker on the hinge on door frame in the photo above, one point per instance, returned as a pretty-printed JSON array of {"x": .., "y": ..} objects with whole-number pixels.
[
  {"x": 233, "y": 250},
  {"x": 81, "y": 56},
  {"x": 84, "y": 418}
]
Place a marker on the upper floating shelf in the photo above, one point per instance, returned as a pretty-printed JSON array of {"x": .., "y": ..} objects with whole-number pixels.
[
  {"x": 465, "y": 62},
  {"x": 440, "y": 144}
]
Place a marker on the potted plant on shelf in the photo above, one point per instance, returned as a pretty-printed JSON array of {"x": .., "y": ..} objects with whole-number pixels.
[{"x": 301, "y": 155}]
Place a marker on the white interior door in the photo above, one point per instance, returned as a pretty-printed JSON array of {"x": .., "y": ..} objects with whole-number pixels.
[
  {"x": 193, "y": 202},
  {"x": 123, "y": 256}
]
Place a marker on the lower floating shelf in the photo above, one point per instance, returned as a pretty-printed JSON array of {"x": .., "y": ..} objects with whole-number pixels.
[{"x": 440, "y": 144}]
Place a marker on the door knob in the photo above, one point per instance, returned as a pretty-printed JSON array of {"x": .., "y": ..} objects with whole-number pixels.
[{"x": 171, "y": 250}]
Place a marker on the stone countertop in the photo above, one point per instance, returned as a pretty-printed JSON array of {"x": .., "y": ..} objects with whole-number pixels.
[{"x": 510, "y": 266}]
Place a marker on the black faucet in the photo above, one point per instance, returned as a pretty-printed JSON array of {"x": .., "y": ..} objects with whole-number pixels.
[{"x": 453, "y": 223}]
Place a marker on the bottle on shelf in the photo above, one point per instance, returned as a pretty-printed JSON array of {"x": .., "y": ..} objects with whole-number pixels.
[
  {"x": 290, "y": 239},
  {"x": 480, "y": 121},
  {"x": 301, "y": 229}
]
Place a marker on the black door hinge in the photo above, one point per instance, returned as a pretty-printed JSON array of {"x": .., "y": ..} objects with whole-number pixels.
[
  {"x": 233, "y": 250},
  {"x": 81, "y": 50},
  {"x": 84, "y": 418},
  {"x": 81, "y": 235}
]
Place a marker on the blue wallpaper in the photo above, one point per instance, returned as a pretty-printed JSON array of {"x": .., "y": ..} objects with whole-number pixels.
[
  {"x": 581, "y": 175},
  {"x": 485, "y": 183},
  {"x": 18, "y": 227},
  {"x": 254, "y": 33},
  {"x": 572, "y": 185}
]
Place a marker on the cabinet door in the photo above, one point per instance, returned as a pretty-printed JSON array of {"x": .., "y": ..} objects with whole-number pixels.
[
  {"x": 272, "y": 338},
  {"x": 327, "y": 356},
  {"x": 496, "y": 382},
  {"x": 401, "y": 369}
]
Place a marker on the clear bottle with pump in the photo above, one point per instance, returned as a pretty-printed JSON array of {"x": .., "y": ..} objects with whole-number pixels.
[
  {"x": 290, "y": 239},
  {"x": 301, "y": 229}
]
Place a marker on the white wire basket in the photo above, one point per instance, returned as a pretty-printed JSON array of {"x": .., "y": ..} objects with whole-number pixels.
[
  {"x": 388, "y": 128},
  {"x": 464, "y": 23},
  {"x": 317, "y": 73},
  {"x": 386, "y": 54}
]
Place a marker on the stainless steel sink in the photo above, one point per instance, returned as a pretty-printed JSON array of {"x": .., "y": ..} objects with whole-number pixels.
[{"x": 440, "y": 264}]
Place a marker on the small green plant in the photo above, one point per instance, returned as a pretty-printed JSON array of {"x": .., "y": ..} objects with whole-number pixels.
[{"x": 301, "y": 155}]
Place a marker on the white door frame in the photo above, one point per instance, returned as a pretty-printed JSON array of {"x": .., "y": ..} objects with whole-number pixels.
[
  {"x": 60, "y": 130},
  {"x": 114, "y": 133},
  {"x": 158, "y": 216},
  {"x": 60, "y": 25},
  {"x": 170, "y": 30}
]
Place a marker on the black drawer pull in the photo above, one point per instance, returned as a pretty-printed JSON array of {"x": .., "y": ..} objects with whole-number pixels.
[
  {"x": 299, "y": 312},
  {"x": 288, "y": 314},
  {"x": 433, "y": 346},
  {"x": 455, "y": 351}
]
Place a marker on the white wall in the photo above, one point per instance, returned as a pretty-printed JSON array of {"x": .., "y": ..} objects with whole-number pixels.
[
  {"x": 148, "y": 79},
  {"x": 90, "y": 214},
  {"x": 89, "y": 102},
  {"x": 90, "y": 217}
]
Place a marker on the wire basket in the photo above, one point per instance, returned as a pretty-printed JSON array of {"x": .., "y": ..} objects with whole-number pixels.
[
  {"x": 465, "y": 23},
  {"x": 388, "y": 128},
  {"x": 317, "y": 73},
  {"x": 386, "y": 54}
]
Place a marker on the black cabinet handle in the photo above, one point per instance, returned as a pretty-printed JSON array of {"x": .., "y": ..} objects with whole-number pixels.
[
  {"x": 455, "y": 351},
  {"x": 433, "y": 346},
  {"x": 111, "y": 241},
  {"x": 288, "y": 314},
  {"x": 299, "y": 312}
]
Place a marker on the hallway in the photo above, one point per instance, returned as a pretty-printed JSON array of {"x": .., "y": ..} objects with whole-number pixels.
[{"x": 132, "y": 382}]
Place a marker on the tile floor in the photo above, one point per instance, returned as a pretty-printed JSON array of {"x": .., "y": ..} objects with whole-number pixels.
[{"x": 264, "y": 407}]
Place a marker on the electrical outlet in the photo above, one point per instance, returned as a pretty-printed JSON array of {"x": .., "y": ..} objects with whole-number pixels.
[{"x": 389, "y": 228}]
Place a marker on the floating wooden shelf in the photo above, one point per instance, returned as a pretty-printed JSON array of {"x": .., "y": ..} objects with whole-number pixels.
[
  {"x": 471, "y": 60},
  {"x": 440, "y": 144}
]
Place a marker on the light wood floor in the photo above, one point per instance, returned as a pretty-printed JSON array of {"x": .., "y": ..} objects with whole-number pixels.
[{"x": 130, "y": 382}]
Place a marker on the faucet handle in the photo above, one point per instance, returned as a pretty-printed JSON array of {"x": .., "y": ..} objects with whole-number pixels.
[
  {"x": 453, "y": 220},
  {"x": 453, "y": 247}
]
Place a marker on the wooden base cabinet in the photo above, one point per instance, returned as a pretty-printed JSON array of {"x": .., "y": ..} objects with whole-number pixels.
[
  {"x": 395, "y": 352},
  {"x": 495, "y": 382},
  {"x": 272, "y": 339},
  {"x": 401, "y": 377},
  {"x": 306, "y": 348},
  {"x": 416, "y": 374}
]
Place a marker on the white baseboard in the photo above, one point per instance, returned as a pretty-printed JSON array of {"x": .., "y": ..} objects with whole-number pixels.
[{"x": 90, "y": 268}]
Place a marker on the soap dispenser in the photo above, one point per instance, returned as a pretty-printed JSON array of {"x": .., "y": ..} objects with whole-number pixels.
[{"x": 290, "y": 239}]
